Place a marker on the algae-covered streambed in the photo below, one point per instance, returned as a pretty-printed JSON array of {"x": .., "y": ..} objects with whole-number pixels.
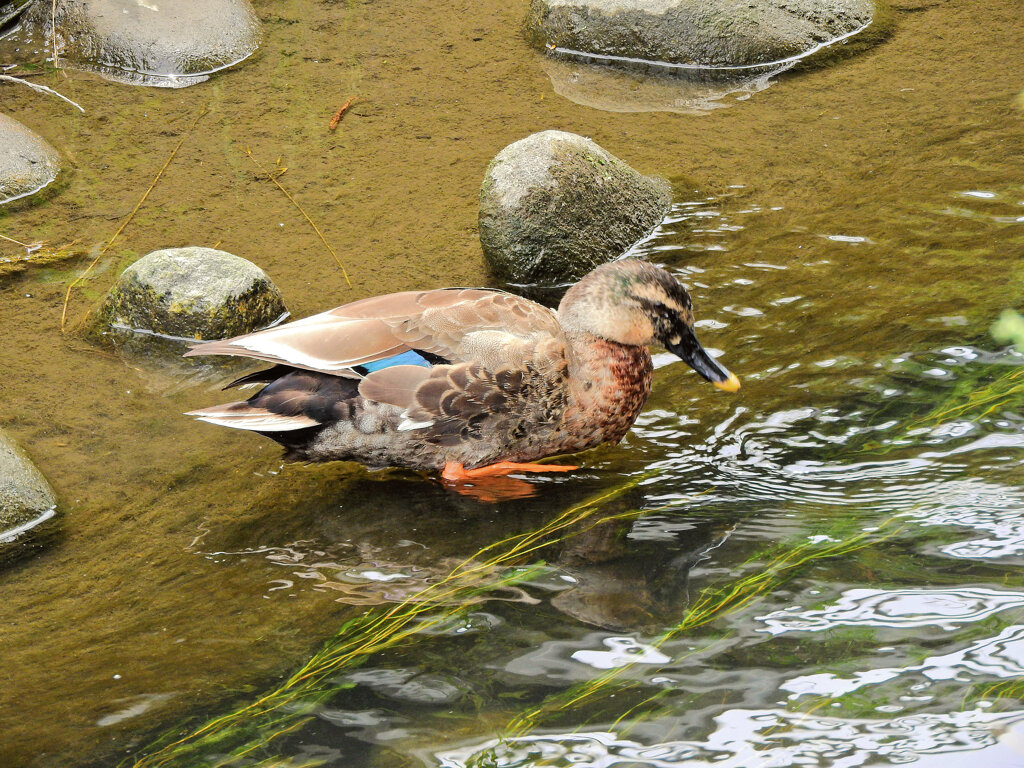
[{"x": 824, "y": 568}]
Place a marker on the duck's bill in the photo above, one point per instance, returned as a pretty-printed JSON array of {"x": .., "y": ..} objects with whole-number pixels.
[{"x": 694, "y": 355}]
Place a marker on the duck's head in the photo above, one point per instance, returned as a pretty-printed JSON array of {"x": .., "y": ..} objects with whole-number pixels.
[{"x": 636, "y": 303}]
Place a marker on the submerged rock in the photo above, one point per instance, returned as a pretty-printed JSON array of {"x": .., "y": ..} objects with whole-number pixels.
[
  {"x": 166, "y": 43},
  {"x": 695, "y": 33},
  {"x": 27, "y": 162},
  {"x": 411, "y": 686},
  {"x": 555, "y": 205},
  {"x": 26, "y": 500},
  {"x": 194, "y": 293},
  {"x": 614, "y": 89}
]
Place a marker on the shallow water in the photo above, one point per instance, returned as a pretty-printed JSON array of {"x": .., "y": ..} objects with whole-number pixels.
[{"x": 848, "y": 235}]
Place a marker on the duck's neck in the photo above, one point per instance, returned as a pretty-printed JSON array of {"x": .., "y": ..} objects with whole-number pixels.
[{"x": 610, "y": 383}]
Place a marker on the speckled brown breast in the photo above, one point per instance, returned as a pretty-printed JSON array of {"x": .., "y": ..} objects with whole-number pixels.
[{"x": 616, "y": 390}]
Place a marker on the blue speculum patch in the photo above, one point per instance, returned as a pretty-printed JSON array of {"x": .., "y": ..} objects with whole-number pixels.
[{"x": 405, "y": 358}]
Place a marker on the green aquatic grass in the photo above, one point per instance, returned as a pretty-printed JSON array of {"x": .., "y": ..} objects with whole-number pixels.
[
  {"x": 248, "y": 730},
  {"x": 1001, "y": 696},
  {"x": 976, "y": 398},
  {"x": 980, "y": 392},
  {"x": 780, "y": 564}
]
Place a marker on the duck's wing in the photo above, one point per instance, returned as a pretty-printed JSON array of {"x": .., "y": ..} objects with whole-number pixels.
[
  {"x": 469, "y": 403},
  {"x": 455, "y": 325}
]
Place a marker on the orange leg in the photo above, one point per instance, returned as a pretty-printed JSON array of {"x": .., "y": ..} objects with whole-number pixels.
[{"x": 455, "y": 472}]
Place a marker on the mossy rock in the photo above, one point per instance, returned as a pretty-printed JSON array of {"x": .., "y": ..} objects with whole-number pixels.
[
  {"x": 27, "y": 502},
  {"x": 697, "y": 33},
  {"x": 191, "y": 293},
  {"x": 555, "y": 205},
  {"x": 27, "y": 162}
]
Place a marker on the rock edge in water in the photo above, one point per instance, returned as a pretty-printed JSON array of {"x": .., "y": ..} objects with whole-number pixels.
[
  {"x": 27, "y": 502},
  {"x": 28, "y": 163},
  {"x": 555, "y": 205},
  {"x": 696, "y": 33}
]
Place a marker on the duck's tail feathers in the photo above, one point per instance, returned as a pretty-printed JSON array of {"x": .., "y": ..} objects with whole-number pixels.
[{"x": 242, "y": 415}]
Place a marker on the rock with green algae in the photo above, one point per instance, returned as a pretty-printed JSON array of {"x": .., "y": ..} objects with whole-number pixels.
[
  {"x": 192, "y": 293},
  {"x": 555, "y": 205},
  {"x": 700, "y": 33},
  {"x": 27, "y": 162},
  {"x": 27, "y": 502}
]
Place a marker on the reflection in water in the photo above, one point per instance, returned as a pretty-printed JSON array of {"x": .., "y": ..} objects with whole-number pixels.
[
  {"x": 745, "y": 738},
  {"x": 576, "y": 659},
  {"x": 133, "y": 707},
  {"x": 622, "y": 651},
  {"x": 899, "y": 608},
  {"x": 409, "y": 685},
  {"x": 994, "y": 657},
  {"x": 362, "y": 577}
]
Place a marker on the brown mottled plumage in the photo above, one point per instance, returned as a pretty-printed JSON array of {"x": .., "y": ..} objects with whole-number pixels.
[{"x": 499, "y": 378}]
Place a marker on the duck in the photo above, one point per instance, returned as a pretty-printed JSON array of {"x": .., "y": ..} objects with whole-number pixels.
[{"x": 471, "y": 382}]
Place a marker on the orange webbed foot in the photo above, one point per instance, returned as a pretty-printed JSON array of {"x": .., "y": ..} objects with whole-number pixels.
[{"x": 455, "y": 472}]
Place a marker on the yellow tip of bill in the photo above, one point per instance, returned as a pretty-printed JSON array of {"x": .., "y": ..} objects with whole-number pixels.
[{"x": 729, "y": 385}]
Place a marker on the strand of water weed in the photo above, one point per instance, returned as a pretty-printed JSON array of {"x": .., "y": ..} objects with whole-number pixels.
[
  {"x": 988, "y": 392},
  {"x": 254, "y": 726},
  {"x": 784, "y": 562}
]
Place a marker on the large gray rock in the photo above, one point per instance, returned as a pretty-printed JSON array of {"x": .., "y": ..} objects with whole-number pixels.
[
  {"x": 26, "y": 500},
  {"x": 195, "y": 293},
  {"x": 27, "y": 162},
  {"x": 555, "y": 205},
  {"x": 699, "y": 33},
  {"x": 168, "y": 43}
]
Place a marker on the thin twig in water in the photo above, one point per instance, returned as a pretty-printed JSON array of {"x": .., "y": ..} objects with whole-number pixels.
[
  {"x": 24, "y": 73},
  {"x": 110, "y": 242},
  {"x": 42, "y": 89},
  {"x": 341, "y": 112},
  {"x": 305, "y": 215},
  {"x": 16, "y": 242},
  {"x": 53, "y": 34}
]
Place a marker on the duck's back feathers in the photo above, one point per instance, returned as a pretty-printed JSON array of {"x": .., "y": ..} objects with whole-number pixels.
[{"x": 442, "y": 323}]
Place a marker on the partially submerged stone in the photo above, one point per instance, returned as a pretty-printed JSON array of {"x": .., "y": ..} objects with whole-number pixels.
[
  {"x": 695, "y": 33},
  {"x": 616, "y": 89},
  {"x": 27, "y": 162},
  {"x": 27, "y": 502},
  {"x": 167, "y": 43},
  {"x": 191, "y": 293},
  {"x": 555, "y": 205}
]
